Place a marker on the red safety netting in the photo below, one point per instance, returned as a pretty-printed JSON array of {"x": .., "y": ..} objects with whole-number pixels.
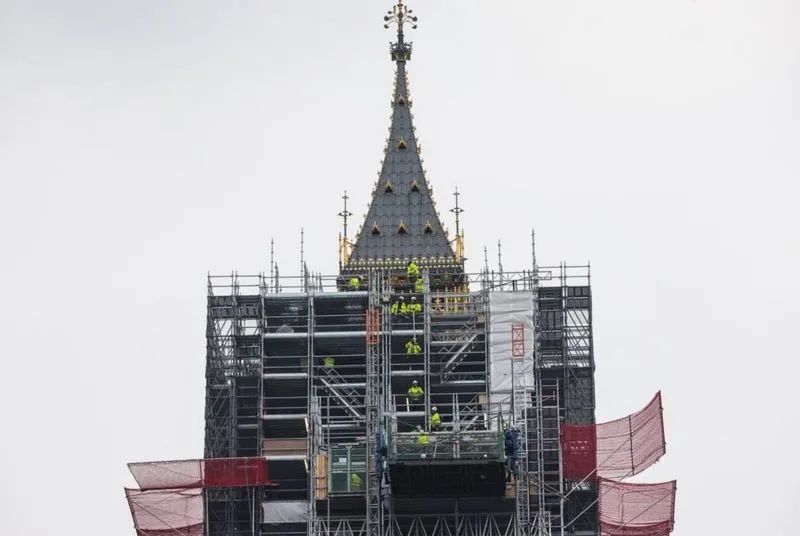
[
  {"x": 168, "y": 475},
  {"x": 636, "y": 509},
  {"x": 209, "y": 473},
  {"x": 614, "y": 449},
  {"x": 166, "y": 512}
]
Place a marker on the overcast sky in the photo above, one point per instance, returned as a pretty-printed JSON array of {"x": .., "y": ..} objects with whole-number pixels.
[{"x": 144, "y": 143}]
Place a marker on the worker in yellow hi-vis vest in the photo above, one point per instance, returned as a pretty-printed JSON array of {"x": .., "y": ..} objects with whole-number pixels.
[
  {"x": 422, "y": 437},
  {"x": 415, "y": 392},
  {"x": 398, "y": 307},
  {"x": 436, "y": 420},
  {"x": 415, "y": 396},
  {"x": 413, "y": 348},
  {"x": 413, "y": 351},
  {"x": 412, "y": 271},
  {"x": 355, "y": 282}
]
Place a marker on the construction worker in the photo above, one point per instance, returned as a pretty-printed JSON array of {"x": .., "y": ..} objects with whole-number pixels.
[
  {"x": 328, "y": 362},
  {"x": 412, "y": 271},
  {"x": 415, "y": 392},
  {"x": 512, "y": 448},
  {"x": 355, "y": 282},
  {"x": 415, "y": 395},
  {"x": 414, "y": 307},
  {"x": 399, "y": 307},
  {"x": 355, "y": 482},
  {"x": 413, "y": 348},
  {"x": 436, "y": 420},
  {"x": 419, "y": 286},
  {"x": 422, "y": 437}
]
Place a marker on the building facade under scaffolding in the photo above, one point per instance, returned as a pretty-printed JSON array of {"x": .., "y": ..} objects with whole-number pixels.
[
  {"x": 406, "y": 396},
  {"x": 314, "y": 374},
  {"x": 317, "y": 381}
]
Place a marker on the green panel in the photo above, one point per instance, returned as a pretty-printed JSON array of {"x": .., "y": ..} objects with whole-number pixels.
[{"x": 348, "y": 469}]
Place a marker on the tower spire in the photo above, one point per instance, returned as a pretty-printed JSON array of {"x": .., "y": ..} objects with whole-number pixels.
[{"x": 402, "y": 223}]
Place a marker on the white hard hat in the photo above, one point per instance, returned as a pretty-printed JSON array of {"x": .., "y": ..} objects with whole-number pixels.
[
  {"x": 414, "y": 382},
  {"x": 434, "y": 408}
]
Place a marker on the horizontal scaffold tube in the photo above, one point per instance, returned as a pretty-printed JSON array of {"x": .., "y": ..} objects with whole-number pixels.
[{"x": 339, "y": 334}]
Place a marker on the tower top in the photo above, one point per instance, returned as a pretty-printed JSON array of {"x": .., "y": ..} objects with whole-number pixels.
[
  {"x": 402, "y": 223},
  {"x": 400, "y": 15}
]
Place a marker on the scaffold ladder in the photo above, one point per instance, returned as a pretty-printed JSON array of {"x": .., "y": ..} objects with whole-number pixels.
[
  {"x": 376, "y": 316},
  {"x": 342, "y": 392},
  {"x": 542, "y": 525},
  {"x": 520, "y": 402}
]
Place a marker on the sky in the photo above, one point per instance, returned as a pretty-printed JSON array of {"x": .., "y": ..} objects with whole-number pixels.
[{"x": 144, "y": 144}]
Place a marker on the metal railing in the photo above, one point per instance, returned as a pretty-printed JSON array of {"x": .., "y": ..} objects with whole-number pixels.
[
  {"x": 464, "y": 284},
  {"x": 467, "y": 446},
  {"x": 451, "y": 441}
]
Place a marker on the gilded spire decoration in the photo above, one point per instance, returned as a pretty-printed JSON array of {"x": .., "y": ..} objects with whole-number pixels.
[{"x": 401, "y": 16}]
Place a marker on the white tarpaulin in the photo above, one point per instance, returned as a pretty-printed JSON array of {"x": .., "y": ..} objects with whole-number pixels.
[
  {"x": 510, "y": 340},
  {"x": 285, "y": 511}
]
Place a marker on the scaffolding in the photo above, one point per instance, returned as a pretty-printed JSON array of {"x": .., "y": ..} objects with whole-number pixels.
[
  {"x": 378, "y": 340},
  {"x": 314, "y": 376},
  {"x": 233, "y": 394}
]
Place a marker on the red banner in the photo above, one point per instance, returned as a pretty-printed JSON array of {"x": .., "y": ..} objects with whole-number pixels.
[
  {"x": 579, "y": 447},
  {"x": 235, "y": 472}
]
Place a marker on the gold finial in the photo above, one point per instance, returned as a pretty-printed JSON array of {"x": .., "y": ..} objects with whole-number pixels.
[{"x": 400, "y": 15}]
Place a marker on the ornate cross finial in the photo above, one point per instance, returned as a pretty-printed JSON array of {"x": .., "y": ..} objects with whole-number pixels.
[
  {"x": 400, "y": 15},
  {"x": 457, "y": 211},
  {"x": 344, "y": 214}
]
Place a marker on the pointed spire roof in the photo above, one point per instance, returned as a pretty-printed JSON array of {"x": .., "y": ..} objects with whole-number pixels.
[{"x": 402, "y": 222}]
